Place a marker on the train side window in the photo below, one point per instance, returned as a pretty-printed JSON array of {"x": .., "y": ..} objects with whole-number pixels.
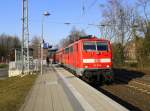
[
  {"x": 77, "y": 47},
  {"x": 71, "y": 49},
  {"x": 66, "y": 50}
]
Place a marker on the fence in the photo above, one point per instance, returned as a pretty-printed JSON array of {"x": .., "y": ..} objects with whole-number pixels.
[{"x": 15, "y": 67}]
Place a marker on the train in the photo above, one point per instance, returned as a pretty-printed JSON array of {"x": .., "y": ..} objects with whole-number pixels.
[{"x": 89, "y": 57}]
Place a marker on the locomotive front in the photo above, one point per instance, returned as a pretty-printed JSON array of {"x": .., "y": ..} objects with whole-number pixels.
[{"x": 97, "y": 60}]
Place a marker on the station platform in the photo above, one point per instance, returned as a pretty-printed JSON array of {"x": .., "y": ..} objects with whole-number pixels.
[{"x": 59, "y": 90}]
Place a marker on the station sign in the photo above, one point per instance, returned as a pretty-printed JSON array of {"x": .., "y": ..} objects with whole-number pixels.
[{"x": 46, "y": 45}]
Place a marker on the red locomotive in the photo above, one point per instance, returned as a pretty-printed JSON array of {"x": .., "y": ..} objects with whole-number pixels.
[{"x": 89, "y": 58}]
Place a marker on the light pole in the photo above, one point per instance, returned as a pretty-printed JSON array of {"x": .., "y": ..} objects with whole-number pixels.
[{"x": 44, "y": 14}]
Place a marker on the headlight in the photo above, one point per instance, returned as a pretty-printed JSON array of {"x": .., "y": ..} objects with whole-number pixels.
[
  {"x": 86, "y": 66},
  {"x": 107, "y": 66},
  {"x": 88, "y": 60},
  {"x": 105, "y": 60}
]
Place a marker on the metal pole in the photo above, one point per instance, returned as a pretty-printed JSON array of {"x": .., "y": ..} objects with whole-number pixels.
[
  {"x": 22, "y": 45},
  {"x": 28, "y": 60},
  {"x": 42, "y": 46},
  {"x": 42, "y": 35}
]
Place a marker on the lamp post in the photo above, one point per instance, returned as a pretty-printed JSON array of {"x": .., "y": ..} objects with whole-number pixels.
[{"x": 43, "y": 16}]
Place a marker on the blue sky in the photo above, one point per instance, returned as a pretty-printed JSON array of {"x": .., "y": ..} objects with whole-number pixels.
[{"x": 61, "y": 11}]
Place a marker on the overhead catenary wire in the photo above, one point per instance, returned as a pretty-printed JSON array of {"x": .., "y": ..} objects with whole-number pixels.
[
  {"x": 86, "y": 9},
  {"x": 76, "y": 23},
  {"x": 92, "y": 4}
]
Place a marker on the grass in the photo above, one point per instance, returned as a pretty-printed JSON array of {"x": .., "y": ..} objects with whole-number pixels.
[
  {"x": 13, "y": 92},
  {"x": 3, "y": 65}
]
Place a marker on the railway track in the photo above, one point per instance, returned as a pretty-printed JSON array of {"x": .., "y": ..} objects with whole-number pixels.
[
  {"x": 136, "y": 84},
  {"x": 134, "y": 92}
]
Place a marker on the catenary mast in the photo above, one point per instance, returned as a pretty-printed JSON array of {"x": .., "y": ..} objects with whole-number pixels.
[{"x": 25, "y": 38}]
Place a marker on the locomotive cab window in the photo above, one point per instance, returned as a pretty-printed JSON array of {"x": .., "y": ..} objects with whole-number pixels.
[
  {"x": 102, "y": 46},
  {"x": 89, "y": 46}
]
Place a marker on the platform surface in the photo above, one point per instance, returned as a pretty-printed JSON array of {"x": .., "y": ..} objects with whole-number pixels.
[
  {"x": 59, "y": 90},
  {"x": 47, "y": 95},
  {"x": 89, "y": 98}
]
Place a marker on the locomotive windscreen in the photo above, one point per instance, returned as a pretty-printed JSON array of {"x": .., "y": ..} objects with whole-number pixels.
[
  {"x": 93, "y": 46},
  {"x": 89, "y": 46},
  {"x": 102, "y": 46}
]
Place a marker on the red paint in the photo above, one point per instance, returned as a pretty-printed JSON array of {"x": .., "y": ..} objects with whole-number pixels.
[{"x": 74, "y": 54}]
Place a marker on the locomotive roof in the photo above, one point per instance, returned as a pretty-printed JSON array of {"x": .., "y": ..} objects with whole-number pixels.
[{"x": 86, "y": 38}]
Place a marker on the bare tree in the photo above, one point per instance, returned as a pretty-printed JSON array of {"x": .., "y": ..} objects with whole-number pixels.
[
  {"x": 7, "y": 43},
  {"x": 35, "y": 44},
  {"x": 74, "y": 35},
  {"x": 119, "y": 20},
  {"x": 123, "y": 23}
]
